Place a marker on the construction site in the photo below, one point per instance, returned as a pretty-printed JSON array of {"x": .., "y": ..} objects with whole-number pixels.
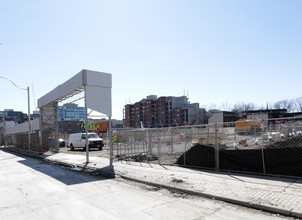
[{"x": 271, "y": 147}]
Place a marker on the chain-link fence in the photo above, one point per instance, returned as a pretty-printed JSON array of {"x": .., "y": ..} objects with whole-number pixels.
[
  {"x": 21, "y": 141},
  {"x": 272, "y": 146}
]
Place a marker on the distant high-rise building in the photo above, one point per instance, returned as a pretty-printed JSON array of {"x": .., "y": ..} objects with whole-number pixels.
[{"x": 71, "y": 111}]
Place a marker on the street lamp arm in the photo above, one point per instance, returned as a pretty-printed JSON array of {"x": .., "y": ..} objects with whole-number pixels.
[{"x": 12, "y": 82}]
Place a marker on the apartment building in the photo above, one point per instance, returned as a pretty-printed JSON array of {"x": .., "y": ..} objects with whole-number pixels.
[
  {"x": 129, "y": 116},
  {"x": 164, "y": 111},
  {"x": 151, "y": 113},
  {"x": 138, "y": 114}
]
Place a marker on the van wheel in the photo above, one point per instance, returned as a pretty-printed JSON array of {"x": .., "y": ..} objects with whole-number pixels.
[
  {"x": 71, "y": 147},
  {"x": 100, "y": 148}
]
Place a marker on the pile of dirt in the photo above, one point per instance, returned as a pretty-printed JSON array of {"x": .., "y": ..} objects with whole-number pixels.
[
  {"x": 278, "y": 160},
  {"x": 198, "y": 155},
  {"x": 241, "y": 160}
]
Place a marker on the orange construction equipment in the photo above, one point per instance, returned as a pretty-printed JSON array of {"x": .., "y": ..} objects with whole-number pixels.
[{"x": 247, "y": 125}]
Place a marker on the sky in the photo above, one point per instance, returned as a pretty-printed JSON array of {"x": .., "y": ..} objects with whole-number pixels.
[{"x": 214, "y": 51}]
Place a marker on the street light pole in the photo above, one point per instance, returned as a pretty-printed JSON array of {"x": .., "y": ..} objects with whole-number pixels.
[{"x": 29, "y": 127}]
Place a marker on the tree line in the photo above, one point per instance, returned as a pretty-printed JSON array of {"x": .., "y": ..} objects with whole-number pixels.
[{"x": 292, "y": 105}]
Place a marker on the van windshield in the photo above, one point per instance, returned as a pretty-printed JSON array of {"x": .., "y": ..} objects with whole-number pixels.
[{"x": 93, "y": 136}]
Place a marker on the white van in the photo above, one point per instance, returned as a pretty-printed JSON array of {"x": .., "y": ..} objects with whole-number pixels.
[{"x": 78, "y": 140}]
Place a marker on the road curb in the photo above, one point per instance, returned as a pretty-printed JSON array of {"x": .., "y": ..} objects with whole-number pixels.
[
  {"x": 270, "y": 209},
  {"x": 24, "y": 153},
  {"x": 107, "y": 172},
  {"x": 296, "y": 213}
]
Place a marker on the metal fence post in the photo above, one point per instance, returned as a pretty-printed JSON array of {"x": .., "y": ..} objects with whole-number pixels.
[
  {"x": 234, "y": 136},
  {"x": 149, "y": 142},
  {"x": 217, "y": 148},
  {"x": 262, "y": 150},
  {"x": 158, "y": 152},
  {"x": 125, "y": 146},
  {"x": 117, "y": 149},
  {"x": 172, "y": 141},
  {"x": 131, "y": 144},
  {"x": 208, "y": 134},
  {"x": 185, "y": 146}
]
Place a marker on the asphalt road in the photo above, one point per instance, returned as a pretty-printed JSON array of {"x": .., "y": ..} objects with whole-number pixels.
[{"x": 34, "y": 189}]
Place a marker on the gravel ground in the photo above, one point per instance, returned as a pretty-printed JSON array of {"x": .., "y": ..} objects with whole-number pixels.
[{"x": 93, "y": 152}]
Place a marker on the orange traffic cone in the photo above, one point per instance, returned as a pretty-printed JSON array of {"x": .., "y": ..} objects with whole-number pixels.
[{"x": 40, "y": 150}]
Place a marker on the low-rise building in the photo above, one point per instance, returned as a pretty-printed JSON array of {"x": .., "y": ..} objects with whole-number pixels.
[
  {"x": 265, "y": 113},
  {"x": 223, "y": 116}
]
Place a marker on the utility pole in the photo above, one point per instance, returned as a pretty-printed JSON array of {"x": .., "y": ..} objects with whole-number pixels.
[
  {"x": 110, "y": 141},
  {"x": 86, "y": 126}
]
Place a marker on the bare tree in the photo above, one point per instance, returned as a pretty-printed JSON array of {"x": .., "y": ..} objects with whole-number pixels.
[
  {"x": 285, "y": 104},
  {"x": 239, "y": 107},
  {"x": 249, "y": 106},
  {"x": 298, "y": 102},
  {"x": 212, "y": 106},
  {"x": 226, "y": 106}
]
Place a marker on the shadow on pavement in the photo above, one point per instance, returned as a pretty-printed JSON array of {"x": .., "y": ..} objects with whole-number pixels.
[{"x": 65, "y": 174}]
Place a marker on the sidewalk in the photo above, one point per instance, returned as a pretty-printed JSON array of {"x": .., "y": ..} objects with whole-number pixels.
[{"x": 277, "y": 195}]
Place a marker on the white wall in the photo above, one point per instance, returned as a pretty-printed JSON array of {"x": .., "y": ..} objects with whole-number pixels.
[
  {"x": 23, "y": 128},
  {"x": 8, "y": 124},
  {"x": 217, "y": 117}
]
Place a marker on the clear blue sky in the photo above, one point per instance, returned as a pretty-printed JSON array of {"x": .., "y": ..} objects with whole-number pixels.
[{"x": 219, "y": 50}]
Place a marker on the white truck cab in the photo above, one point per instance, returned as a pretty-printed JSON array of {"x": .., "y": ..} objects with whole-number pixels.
[{"x": 78, "y": 140}]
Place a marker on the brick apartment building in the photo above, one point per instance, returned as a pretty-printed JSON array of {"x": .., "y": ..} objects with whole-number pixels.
[
  {"x": 129, "y": 116},
  {"x": 163, "y": 112}
]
